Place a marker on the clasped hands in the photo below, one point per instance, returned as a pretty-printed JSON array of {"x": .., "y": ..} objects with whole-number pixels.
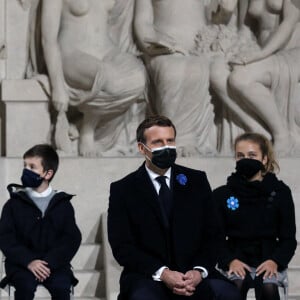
[
  {"x": 268, "y": 268},
  {"x": 180, "y": 283},
  {"x": 39, "y": 269}
]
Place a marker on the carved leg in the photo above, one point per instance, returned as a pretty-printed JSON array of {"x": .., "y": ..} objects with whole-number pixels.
[
  {"x": 219, "y": 73},
  {"x": 87, "y": 147},
  {"x": 252, "y": 85}
]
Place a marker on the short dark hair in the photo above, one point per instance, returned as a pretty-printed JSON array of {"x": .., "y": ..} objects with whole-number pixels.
[
  {"x": 154, "y": 120},
  {"x": 48, "y": 155}
]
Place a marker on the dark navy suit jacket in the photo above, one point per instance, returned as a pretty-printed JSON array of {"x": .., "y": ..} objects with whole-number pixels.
[{"x": 140, "y": 240}]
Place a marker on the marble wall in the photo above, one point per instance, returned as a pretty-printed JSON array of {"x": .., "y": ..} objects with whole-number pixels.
[{"x": 89, "y": 180}]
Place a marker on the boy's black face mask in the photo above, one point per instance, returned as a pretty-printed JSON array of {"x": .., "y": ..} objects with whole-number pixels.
[
  {"x": 31, "y": 179},
  {"x": 248, "y": 167}
]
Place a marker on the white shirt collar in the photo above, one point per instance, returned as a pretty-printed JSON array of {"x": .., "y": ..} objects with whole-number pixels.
[
  {"x": 153, "y": 175},
  {"x": 34, "y": 193}
]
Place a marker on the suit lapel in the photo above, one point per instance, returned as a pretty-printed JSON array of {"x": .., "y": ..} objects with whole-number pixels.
[
  {"x": 146, "y": 189},
  {"x": 179, "y": 188},
  {"x": 180, "y": 193}
]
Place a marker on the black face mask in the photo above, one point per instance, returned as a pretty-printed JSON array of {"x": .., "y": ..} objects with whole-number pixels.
[
  {"x": 248, "y": 167},
  {"x": 163, "y": 157},
  {"x": 31, "y": 179}
]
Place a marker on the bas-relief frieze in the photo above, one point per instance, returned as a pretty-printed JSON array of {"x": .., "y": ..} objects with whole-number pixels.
[
  {"x": 216, "y": 68},
  {"x": 2, "y": 41}
]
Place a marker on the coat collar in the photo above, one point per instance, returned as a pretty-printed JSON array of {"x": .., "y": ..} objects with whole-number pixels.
[
  {"x": 145, "y": 187},
  {"x": 18, "y": 192},
  {"x": 179, "y": 190},
  {"x": 179, "y": 180}
]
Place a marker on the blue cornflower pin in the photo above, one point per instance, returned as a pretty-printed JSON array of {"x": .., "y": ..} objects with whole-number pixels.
[
  {"x": 181, "y": 178},
  {"x": 232, "y": 203}
]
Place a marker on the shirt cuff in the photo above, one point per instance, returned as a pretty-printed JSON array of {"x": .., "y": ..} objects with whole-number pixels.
[
  {"x": 202, "y": 270},
  {"x": 157, "y": 274}
]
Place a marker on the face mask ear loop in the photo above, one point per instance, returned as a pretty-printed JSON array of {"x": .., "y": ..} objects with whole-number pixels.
[
  {"x": 147, "y": 147},
  {"x": 146, "y": 156}
]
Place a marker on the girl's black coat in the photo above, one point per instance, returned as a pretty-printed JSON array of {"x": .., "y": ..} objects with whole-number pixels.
[
  {"x": 262, "y": 226},
  {"x": 26, "y": 235}
]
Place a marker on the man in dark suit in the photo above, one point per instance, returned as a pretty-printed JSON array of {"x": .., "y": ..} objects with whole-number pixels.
[{"x": 162, "y": 226}]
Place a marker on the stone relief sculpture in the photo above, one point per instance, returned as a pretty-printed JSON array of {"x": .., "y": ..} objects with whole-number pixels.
[
  {"x": 216, "y": 67},
  {"x": 267, "y": 79},
  {"x": 223, "y": 38},
  {"x": 88, "y": 69},
  {"x": 2, "y": 51},
  {"x": 166, "y": 32}
]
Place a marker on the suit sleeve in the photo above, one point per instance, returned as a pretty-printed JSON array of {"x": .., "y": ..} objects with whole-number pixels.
[{"x": 121, "y": 238}]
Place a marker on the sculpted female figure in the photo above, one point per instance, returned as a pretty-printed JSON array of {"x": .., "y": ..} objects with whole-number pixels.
[
  {"x": 86, "y": 68},
  {"x": 267, "y": 79},
  {"x": 166, "y": 31},
  {"x": 224, "y": 37}
]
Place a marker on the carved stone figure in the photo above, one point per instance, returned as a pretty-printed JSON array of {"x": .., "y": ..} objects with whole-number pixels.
[
  {"x": 166, "y": 31},
  {"x": 88, "y": 69},
  {"x": 90, "y": 57},
  {"x": 221, "y": 39},
  {"x": 267, "y": 79}
]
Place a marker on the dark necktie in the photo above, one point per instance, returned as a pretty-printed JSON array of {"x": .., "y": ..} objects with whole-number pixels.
[{"x": 164, "y": 196}]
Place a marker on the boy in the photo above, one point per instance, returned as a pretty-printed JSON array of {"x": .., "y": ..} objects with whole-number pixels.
[{"x": 38, "y": 232}]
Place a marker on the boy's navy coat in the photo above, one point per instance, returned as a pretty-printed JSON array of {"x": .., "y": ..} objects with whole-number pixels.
[
  {"x": 26, "y": 235},
  {"x": 137, "y": 233}
]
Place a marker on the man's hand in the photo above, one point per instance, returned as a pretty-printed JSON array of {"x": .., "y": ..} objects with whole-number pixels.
[
  {"x": 181, "y": 284},
  {"x": 39, "y": 269},
  {"x": 191, "y": 278},
  {"x": 238, "y": 268},
  {"x": 173, "y": 279},
  {"x": 268, "y": 267}
]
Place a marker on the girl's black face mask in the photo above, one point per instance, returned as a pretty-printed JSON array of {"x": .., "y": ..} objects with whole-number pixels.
[{"x": 248, "y": 167}]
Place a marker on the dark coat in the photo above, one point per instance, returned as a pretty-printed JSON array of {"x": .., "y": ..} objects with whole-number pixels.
[
  {"x": 26, "y": 235},
  {"x": 138, "y": 236},
  {"x": 262, "y": 226}
]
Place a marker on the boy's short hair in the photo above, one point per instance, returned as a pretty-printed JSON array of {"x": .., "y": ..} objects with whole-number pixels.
[{"x": 48, "y": 155}]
